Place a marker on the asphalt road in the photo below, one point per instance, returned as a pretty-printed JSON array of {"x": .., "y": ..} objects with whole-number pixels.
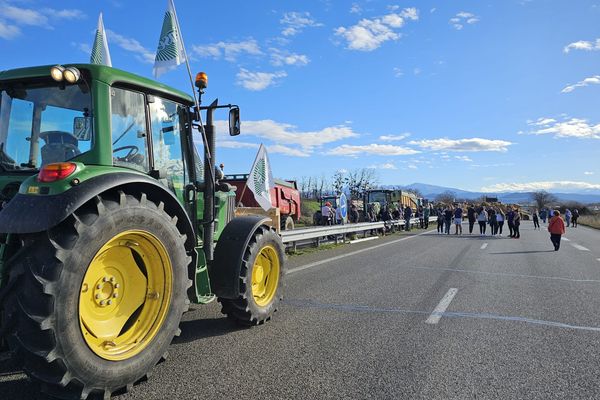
[{"x": 514, "y": 320}]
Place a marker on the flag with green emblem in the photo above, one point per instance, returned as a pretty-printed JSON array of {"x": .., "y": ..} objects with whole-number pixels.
[
  {"x": 260, "y": 180},
  {"x": 170, "y": 52},
  {"x": 100, "y": 54}
]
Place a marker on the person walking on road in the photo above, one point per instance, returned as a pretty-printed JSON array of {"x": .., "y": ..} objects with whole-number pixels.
[
  {"x": 493, "y": 222},
  {"x": 536, "y": 220},
  {"x": 407, "y": 216},
  {"x": 447, "y": 219},
  {"x": 458, "y": 214},
  {"x": 568, "y": 216},
  {"x": 517, "y": 224},
  {"x": 482, "y": 218},
  {"x": 574, "y": 218},
  {"x": 543, "y": 215},
  {"x": 510, "y": 216},
  {"x": 472, "y": 217},
  {"x": 556, "y": 227},
  {"x": 440, "y": 220},
  {"x": 500, "y": 220}
]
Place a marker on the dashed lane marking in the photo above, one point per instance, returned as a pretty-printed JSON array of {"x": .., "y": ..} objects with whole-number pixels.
[
  {"x": 483, "y": 246},
  {"x": 566, "y": 239},
  {"x": 436, "y": 315},
  {"x": 579, "y": 247}
]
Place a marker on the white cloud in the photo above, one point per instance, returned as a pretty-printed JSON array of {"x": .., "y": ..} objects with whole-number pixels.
[
  {"x": 12, "y": 16},
  {"x": 463, "y": 145},
  {"x": 8, "y": 31},
  {"x": 594, "y": 80},
  {"x": 286, "y": 138},
  {"x": 394, "y": 138},
  {"x": 84, "y": 47},
  {"x": 369, "y": 34},
  {"x": 279, "y": 58},
  {"x": 412, "y": 166},
  {"x": 583, "y": 45},
  {"x": 383, "y": 166},
  {"x": 257, "y": 81},
  {"x": 132, "y": 45},
  {"x": 23, "y": 16},
  {"x": 417, "y": 71},
  {"x": 463, "y": 158},
  {"x": 462, "y": 18},
  {"x": 398, "y": 72},
  {"x": 288, "y": 151},
  {"x": 588, "y": 173},
  {"x": 355, "y": 8},
  {"x": 230, "y": 51},
  {"x": 372, "y": 149},
  {"x": 295, "y": 22},
  {"x": 234, "y": 144},
  {"x": 568, "y": 128},
  {"x": 544, "y": 185}
]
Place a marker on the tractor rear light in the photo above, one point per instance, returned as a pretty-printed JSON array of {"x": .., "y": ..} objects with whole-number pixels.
[{"x": 55, "y": 172}]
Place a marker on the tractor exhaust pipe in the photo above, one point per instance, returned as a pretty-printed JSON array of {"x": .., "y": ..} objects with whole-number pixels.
[{"x": 209, "y": 185}]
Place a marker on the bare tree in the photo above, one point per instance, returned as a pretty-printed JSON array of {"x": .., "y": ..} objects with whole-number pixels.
[
  {"x": 338, "y": 181},
  {"x": 446, "y": 197},
  {"x": 360, "y": 180},
  {"x": 542, "y": 198},
  {"x": 415, "y": 191}
]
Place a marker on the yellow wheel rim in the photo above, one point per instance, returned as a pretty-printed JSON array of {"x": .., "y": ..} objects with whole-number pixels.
[
  {"x": 265, "y": 276},
  {"x": 125, "y": 295}
]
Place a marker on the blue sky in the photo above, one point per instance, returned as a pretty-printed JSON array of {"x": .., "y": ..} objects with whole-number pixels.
[{"x": 493, "y": 95}]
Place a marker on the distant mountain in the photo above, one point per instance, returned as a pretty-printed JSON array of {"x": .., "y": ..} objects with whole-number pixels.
[{"x": 431, "y": 191}]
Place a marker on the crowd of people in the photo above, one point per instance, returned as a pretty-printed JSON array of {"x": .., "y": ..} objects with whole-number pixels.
[{"x": 491, "y": 220}]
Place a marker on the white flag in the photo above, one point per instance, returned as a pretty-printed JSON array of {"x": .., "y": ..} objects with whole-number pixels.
[
  {"x": 170, "y": 52},
  {"x": 260, "y": 181},
  {"x": 100, "y": 53}
]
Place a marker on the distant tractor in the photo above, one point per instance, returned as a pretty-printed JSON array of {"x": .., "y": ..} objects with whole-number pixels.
[
  {"x": 284, "y": 196},
  {"x": 111, "y": 223},
  {"x": 390, "y": 198}
]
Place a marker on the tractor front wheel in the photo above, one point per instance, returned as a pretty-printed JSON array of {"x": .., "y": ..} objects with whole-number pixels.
[
  {"x": 99, "y": 297},
  {"x": 261, "y": 280}
]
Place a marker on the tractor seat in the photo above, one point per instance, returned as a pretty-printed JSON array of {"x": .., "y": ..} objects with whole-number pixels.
[{"x": 59, "y": 146}]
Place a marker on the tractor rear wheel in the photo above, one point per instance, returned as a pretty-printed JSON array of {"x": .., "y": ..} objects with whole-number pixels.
[
  {"x": 261, "y": 280},
  {"x": 99, "y": 297}
]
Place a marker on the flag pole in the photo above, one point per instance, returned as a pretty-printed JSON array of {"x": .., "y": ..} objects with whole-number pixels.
[{"x": 196, "y": 101}]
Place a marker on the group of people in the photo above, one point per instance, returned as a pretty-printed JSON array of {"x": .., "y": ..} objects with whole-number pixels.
[{"x": 495, "y": 217}]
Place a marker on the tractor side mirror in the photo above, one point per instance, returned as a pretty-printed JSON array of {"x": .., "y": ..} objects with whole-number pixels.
[
  {"x": 234, "y": 121},
  {"x": 82, "y": 128}
]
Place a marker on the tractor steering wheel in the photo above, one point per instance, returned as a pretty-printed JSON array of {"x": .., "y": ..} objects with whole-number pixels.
[{"x": 129, "y": 157}]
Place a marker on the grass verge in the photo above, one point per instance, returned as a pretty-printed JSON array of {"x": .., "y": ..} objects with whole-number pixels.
[{"x": 592, "y": 221}]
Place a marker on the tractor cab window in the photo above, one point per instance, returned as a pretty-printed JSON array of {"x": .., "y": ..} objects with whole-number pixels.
[
  {"x": 129, "y": 136},
  {"x": 43, "y": 123},
  {"x": 167, "y": 143}
]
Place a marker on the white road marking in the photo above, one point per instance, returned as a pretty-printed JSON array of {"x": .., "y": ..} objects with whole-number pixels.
[
  {"x": 363, "y": 239},
  {"x": 566, "y": 239},
  {"x": 579, "y": 247},
  {"x": 352, "y": 253},
  {"x": 436, "y": 315},
  {"x": 597, "y": 259},
  {"x": 483, "y": 246}
]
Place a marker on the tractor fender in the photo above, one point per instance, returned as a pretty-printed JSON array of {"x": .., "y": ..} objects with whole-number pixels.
[
  {"x": 225, "y": 269},
  {"x": 27, "y": 213}
]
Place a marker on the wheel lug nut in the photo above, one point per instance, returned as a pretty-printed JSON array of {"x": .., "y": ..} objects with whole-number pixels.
[
  {"x": 115, "y": 295},
  {"x": 98, "y": 286},
  {"x": 117, "y": 285},
  {"x": 103, "y": 302},
  {"x": 97, "y": 296},
  {"x": 112, "y": 278},
  {"x": 109, "y": 302}
]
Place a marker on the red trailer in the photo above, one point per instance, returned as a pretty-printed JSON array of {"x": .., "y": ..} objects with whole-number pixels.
[{"x": 284, "y": 196}]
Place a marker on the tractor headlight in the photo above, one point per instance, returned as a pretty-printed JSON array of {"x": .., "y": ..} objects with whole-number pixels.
[
  {"x": 71, "y": 74},
  {"x": 56, "y": 73}
]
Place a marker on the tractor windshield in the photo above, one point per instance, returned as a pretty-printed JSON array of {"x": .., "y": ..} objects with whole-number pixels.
[{"x": 42, "y": 123}]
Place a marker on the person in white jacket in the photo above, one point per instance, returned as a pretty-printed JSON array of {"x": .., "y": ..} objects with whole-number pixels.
[{"x": 482, "y": 218}]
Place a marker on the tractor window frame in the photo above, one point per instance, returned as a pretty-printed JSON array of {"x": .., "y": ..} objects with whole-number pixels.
[{"x": 149, "y": 162}]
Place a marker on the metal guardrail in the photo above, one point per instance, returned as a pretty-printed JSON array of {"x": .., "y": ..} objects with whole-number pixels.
[{"x": 315, "y": 234}]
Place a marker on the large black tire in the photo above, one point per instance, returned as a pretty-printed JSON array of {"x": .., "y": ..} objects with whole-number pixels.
[
  {"x": 43, "y": 310},
  {"x": 245, "y": 310}
]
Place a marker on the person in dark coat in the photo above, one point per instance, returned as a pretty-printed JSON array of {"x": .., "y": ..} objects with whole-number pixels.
[{"x": 407, "y": 216}]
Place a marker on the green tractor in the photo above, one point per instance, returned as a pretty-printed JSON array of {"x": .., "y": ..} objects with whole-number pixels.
[{"x": 111, "y": 223}]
